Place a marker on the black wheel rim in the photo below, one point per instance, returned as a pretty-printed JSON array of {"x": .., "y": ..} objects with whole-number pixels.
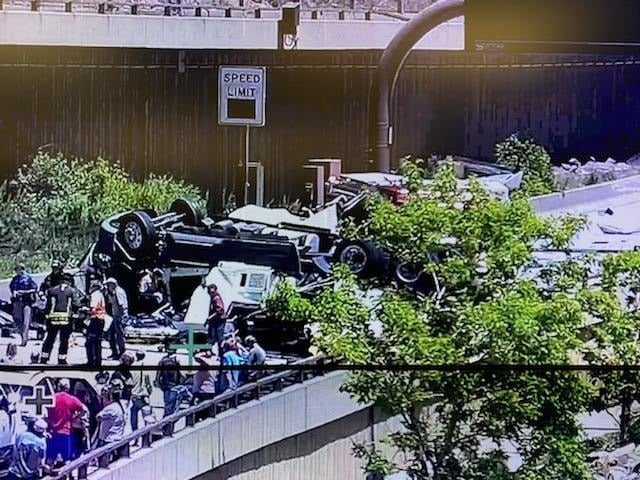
[
  {"x": 355, "y": 258},
  {"x": 133, "y": 235},
  {"x": 407, "y": 273}
]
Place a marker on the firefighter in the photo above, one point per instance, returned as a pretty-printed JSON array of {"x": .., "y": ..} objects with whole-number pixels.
[
  {"x": 54, "y": 278},
  {"x": 61, "y": 301}
]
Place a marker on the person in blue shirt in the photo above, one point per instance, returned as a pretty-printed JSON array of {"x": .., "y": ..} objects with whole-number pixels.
[
  {"x": 29, "y": 452},
  {"x": 23, "y": 294},
  {"x": 231, "y": 357}
]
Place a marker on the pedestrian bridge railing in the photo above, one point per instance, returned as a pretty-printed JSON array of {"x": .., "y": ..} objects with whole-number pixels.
[{"x": 144, "y": 438}]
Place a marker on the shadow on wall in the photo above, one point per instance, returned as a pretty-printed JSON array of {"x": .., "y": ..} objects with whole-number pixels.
[{"x": 324, "y": 452}]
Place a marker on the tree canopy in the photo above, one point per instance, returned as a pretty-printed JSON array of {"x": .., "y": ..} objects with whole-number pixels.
[{"x": 487, "y": 314}]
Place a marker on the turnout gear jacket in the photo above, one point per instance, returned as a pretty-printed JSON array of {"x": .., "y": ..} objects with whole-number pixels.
[{"x": 60, "y": 302}]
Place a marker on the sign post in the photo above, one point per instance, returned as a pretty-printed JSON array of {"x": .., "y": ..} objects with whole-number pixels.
[{"x": 241, "y": 102}]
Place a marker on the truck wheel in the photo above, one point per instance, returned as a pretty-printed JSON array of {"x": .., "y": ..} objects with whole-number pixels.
[
  {"x": 363, "y": 259},
  {"x": 407, "y": 274},
  {"x": 137, "y": 234},
  {"x": 182, "y": 206}
]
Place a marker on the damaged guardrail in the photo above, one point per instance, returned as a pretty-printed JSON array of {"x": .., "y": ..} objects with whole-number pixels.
[{"x": 103, "y": 457}]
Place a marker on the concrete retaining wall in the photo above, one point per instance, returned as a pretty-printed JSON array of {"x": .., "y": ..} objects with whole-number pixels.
[
  {"x": 341, "y": 35},
  {"x": 69, "y": 29},
  {"x": 322, "y": 453},
  {"x": 86, "y": 29}
]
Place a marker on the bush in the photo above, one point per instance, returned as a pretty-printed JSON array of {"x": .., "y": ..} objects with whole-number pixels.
[
  {"x": 53, "y": 207},
  {"x": 532, "y": 159}
]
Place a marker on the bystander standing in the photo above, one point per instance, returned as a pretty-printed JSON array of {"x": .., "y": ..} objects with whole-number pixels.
[
  {"x": 113, "y": 419},
  {"x": 23, "y": 295},
  {"x": 60, "y": 416},
  {"x": 231, "y": 358},
  {"x": 255, "y": 355},
  {"x": 168, "y": 377},
  {"x": 205, "y": 380},
  {"x": 117, "y": 306},
  {"x": 29, "y": 452},
  {"x": 217, "y": 317}
]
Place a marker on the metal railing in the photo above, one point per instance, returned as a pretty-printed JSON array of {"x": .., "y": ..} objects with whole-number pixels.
[
  {"x": 201, "y": 8},
  {"x": 143, "y": 438}
]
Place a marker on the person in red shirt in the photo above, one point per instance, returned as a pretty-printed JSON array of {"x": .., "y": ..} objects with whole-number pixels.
[
  {"x": 217, "y": 317},
  {"x": 60, "y": 416}
]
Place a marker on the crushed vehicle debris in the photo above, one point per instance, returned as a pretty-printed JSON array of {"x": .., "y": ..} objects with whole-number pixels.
[{"x": 620, "y": 464}]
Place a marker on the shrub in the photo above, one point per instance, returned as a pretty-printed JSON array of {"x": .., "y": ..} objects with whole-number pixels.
[
  {"x": 532, "y": 159},
  {"x": 53, "y": 207}
]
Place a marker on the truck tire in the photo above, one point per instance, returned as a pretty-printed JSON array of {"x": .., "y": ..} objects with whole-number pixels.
[
  {"x": 407, "y": 274},
  {"x": 137, "y": 235},
  {"x": 182, "y": 206},
  {"x": 362, "y": 258}
]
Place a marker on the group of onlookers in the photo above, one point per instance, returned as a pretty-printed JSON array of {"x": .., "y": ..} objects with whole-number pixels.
[
  {"x": 48, "y": 443},
  {"x": 75, "y": 425},
  {"x": 213, "y": 379}
]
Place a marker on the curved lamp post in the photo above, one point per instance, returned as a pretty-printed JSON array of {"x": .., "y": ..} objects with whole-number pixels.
[{"x": 390, "y": 64}]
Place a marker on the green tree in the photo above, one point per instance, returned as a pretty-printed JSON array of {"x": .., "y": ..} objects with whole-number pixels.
[
  {"x": 484, "y": 311},
  {"x": 53, "y": 206},
  {"x": 524, "y": 154}
]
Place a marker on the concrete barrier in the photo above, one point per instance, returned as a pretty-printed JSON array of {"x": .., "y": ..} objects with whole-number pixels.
[
  {"x": 589, "y": 198},
  {"x": 374, "y": 34},
  {"x": 238, "y": 432},
  {"x": 85, "y": 29},
  {"x": 145, "y": 31}
]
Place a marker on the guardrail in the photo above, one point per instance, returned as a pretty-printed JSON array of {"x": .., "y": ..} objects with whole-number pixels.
[
  {"x": 102, "y": 457},
  {"x": 198, "y": 7}
]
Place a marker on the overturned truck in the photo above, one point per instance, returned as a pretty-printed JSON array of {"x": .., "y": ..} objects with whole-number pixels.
[{"x": 247, "y": 252}]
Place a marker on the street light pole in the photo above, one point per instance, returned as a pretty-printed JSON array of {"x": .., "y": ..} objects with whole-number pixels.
[{"x": 389, "y": 66}]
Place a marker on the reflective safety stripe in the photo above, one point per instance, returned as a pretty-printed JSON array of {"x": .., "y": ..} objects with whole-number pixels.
[{"x": 59, "y": 318}]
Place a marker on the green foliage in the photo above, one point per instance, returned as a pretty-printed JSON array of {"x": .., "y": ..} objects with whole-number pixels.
[
  {"x": 54, "y": 205},
  {"x": 532, "y": 159},
  {"x": 285, "y": 304},
  {"x": 484, "y": 311},
  {"x": 373, "y": 460},
  {"x": 414, "y": 174}
]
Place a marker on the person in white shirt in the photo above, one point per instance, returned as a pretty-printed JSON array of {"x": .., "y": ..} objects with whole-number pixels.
[
  {"x": 96, "y": 324},
  {"x": 113, "y": 418}
]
